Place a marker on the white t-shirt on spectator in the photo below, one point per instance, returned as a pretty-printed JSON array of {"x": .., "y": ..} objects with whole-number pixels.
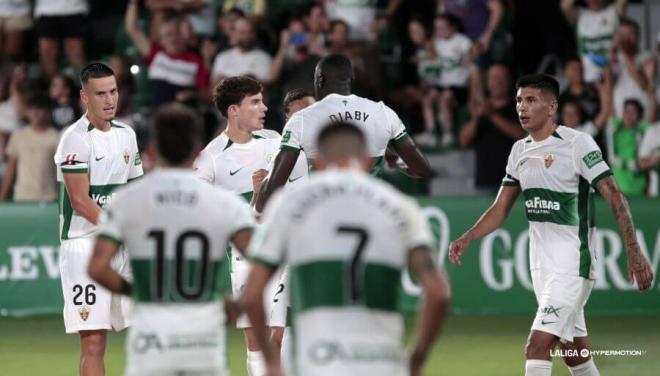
[
  {"x": 451, "y": 53},
  {"x": 650, "y": 145},
  {"x": 13, "y": 8},
  {"x": 358, "y": 14},
  {"x": 233, "y": 62},
  {"x": 626, "y": 87},
  {"x": 595, "y": 32},
  {"x": 60, "y": 7}
]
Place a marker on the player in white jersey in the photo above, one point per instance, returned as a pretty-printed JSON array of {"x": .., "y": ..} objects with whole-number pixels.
[
  {"x": 346, "y": 237},
  {"x": 232, "y": 160},
  {"x": 176, "y": 239},
  {"x": 596, "y": 26},
  {"x": 381, "y": 125},
  {"x": 278, "y": 319},
  {"x": 556, "y": 169},
  {"x": 95, "y": 155}
]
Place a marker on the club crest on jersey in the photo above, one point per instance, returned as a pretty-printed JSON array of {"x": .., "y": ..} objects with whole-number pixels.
[
  {"x": 84, "y": 313},
  {"x": 549, "y": 160},
  {"x": 126, "y": 156}
]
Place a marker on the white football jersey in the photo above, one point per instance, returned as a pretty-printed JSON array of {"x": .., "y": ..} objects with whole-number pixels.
[
  {"x": 231, "y": 165},
  {"x": 176, "y": 238},
  {"x": 110, "y": 159},
  {"x": 379, "y": 123},
  {"x": 345, "y": 236},
  {"x": 595, "y": 32},
  {"x": 556, "y": 176}
]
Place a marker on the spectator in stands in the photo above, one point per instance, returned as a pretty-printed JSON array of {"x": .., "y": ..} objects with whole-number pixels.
[
  {"x": 174, "y": 73},
  {"x": 317, "y": 25},
  {"x": 573, "y": 107},
  {"x": 294, "y": 64},
  {"x": 61, "y": 21},
  {"x": 30, "y": 155},
  {"x": 63, "y": 93},
  {"x": 578, "y": 90},
  {"x": 649, "y": 156},
  {"x": 595, "y": 27},
  {"x": 12, "y": 107},
  {"x": 163, "y": 10},
  {"x": 121, "y": 65},
  {"x": 428, "y": 71},
  {"x": 635, "y": 70},
  {"x": 492, "y": 129},
  {"x": 453, "y": 50},
  {"x": 359, "y": 17},
  {"x": 480, "y": 19},
  {"x": 244, "y": 59},
  {"x": 624, "y": 136},
  {"x": 15, "y": 19}
]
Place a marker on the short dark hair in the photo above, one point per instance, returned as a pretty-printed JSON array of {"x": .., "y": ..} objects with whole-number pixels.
[
  {"x": 176, "y": 131},
  {"x": 95, "y": 70},
  {"x": 635, "y": 103},
  {"x": 336, "y": 67},
  {"x": 40, "y": 100},
  {"x": 630, "y": 23},
  {"x": 543, "y": 82},
  {"x": 294, "y": 95},
  {"x": 332, "y": 140},
  {"x": 232, "y": 90}
]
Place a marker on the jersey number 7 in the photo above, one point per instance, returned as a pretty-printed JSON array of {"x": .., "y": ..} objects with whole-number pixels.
[{"x": 363, "y": 238}]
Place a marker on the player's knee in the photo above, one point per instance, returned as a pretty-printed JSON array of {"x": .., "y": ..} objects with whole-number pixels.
[
  {"x": 537, "y": 348},
  {"x": 277, "y": 337},
  {"x": 94, "y": 347}
]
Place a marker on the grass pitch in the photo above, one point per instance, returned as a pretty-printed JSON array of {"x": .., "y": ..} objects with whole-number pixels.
[{"x": 469, "y": 345}]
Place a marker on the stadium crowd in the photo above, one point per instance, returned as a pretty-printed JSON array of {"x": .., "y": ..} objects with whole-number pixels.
[{"x": 446, "y": 66}]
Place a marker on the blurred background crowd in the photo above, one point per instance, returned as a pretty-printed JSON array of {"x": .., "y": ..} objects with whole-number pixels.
[{"x": 446, "y": 66}]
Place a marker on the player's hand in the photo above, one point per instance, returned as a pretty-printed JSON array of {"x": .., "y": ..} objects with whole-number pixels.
[
  {"x": 457, "y": 248},
  {"x": 258, "y": 178},
  {"x": 232, "y": 309},
  {"x": 639, "y": 270}
]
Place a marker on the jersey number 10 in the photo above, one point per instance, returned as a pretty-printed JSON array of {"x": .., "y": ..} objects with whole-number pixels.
[{"x": 197, "y": 290}]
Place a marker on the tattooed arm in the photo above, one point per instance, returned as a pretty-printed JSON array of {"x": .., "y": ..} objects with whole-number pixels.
[
  {"x": 434, "y": 304},
  {"x": 638, "y": 267}
]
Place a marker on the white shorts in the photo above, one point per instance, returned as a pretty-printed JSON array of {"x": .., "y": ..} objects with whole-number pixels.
[
  {"x": 196, "y": 345},
  {"x": 240, "y": 270},
  {"x": 280, "y": 302},
  {"x": 561, "y": 299},
  {"x": 87, "y": 305}
]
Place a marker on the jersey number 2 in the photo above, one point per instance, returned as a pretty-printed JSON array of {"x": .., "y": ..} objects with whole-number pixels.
[
  {"x": 185, "y": 292},
  {"x": 363, "y": 238}
]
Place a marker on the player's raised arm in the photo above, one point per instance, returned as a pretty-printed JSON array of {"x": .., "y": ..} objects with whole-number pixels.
[
  {"x": 638, "y": 266},
  {"x": 492, "y": 218},
  {"x": 434, "y": 304}
]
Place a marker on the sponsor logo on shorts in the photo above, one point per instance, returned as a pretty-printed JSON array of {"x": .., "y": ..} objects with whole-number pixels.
[
  {"x": 150, "y": 341},
  {"x": 84, "y": 313},
  {"x": 325, "y": 352},
  {"x": 549, "y": 310}
]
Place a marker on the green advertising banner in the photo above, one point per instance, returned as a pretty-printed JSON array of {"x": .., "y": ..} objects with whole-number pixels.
[{"x": 494, "y": 277}]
